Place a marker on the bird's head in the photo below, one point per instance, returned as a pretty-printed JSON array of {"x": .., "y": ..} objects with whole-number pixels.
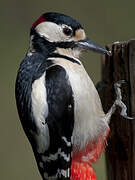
[{"x": 59, "y": 32}]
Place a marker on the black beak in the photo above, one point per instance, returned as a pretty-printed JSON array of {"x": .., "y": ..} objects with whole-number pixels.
[{"x": 89, "y": 45}]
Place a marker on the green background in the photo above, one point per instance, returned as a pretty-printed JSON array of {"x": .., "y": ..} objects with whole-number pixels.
[{"x": 104, "y": 21}]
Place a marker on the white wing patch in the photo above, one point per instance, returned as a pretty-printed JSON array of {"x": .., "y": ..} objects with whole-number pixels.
[{"x": 40, "y": 112}]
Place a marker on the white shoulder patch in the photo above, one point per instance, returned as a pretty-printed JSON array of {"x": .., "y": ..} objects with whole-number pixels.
[{"x": 40, "y": 112}]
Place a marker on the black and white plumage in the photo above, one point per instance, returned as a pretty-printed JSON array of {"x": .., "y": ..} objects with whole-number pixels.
[{"x": 58, "y": 105}]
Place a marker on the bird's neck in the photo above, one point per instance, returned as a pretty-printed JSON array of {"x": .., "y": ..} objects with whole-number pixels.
[
  {"x": 40, "y": 45},
  {"x": 74, "y": 53}
]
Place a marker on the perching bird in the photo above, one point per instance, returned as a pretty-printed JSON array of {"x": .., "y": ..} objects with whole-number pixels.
[{"x": 57, "y": 102}]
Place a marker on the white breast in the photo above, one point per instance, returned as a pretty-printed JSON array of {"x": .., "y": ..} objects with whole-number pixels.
[{"x": 89, "y": 115}]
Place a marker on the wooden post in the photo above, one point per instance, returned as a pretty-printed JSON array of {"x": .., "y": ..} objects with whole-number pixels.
[{"x": 120, "y": 152}]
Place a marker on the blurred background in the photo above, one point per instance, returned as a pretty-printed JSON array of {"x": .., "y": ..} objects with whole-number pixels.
[{"x": 104, "y": 21}]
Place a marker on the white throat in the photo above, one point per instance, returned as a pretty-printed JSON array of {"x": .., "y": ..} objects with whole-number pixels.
[{"x": 74, "y": 53}]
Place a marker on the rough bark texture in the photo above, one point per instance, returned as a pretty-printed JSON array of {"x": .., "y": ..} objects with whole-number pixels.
[{"x": 120, "y": 152}]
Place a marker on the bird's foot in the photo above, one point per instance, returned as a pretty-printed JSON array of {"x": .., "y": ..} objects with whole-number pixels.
[{"x": 118, "y": 101}]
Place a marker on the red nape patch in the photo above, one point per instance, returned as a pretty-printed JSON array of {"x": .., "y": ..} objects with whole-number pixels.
[{"x": 38, "y": 21}]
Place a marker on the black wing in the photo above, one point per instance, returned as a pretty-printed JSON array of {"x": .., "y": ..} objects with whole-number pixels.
[
  {"x": 31, "y": 68},
  {"x": 60, "y": 121},
  {"x": 55, "y": 161}
]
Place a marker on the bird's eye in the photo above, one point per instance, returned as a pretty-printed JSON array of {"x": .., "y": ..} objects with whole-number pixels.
[{"x": 67, "y": 31}]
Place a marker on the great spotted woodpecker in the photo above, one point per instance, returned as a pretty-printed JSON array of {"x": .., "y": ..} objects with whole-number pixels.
[{"x": 58, "y": 104}]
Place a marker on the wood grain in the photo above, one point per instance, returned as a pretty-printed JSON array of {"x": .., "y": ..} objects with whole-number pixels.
[{"x": 120, "y": 152}]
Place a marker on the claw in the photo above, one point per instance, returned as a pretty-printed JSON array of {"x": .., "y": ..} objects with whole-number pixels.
[
  {"x": 118, "y": 100},
  {"x": 118, "y": 83}
]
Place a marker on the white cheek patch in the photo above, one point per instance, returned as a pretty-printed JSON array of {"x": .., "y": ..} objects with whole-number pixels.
[{"x": 51, "y": 31}]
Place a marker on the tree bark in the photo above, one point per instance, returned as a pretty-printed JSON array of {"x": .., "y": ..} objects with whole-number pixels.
[{"x": 120, "y": 151}]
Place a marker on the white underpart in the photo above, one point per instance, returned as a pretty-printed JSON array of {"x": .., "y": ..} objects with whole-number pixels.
[
  {"x": 40, "y": 112},
  {"x": 90, "y": 119}
]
